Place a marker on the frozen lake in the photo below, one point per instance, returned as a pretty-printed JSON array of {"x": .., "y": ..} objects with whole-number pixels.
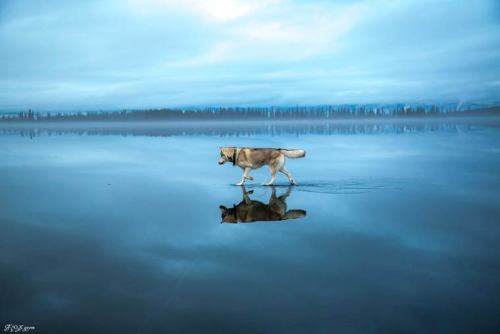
[{"x": 119, "y": 230}]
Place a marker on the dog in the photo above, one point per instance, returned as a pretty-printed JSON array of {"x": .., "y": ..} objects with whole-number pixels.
[
  {"x": 248, "y": 158},
  {"x": 250, "y": 211}
]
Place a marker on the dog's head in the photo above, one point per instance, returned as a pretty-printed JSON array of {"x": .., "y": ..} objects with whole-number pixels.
[
  {"x": 227, "y": 154},
  {"x": 228, "y": 215}
]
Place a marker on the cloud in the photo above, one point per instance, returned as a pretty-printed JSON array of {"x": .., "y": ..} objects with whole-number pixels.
[
  {"x": 154, "y": 53},
  {"x": 216, "y": 10}
]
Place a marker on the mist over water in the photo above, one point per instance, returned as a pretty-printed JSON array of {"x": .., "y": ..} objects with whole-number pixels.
[{"x": 393, "y": 227}]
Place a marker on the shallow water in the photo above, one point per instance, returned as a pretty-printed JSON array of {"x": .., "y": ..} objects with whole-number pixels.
[{"x": 400, "y": 232}]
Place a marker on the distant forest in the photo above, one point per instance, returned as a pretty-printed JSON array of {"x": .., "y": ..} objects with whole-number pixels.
[{"x": 252, "y": 113}]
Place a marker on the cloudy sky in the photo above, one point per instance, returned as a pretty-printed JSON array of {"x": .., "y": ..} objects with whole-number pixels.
[{"x": 96, "y": 54}]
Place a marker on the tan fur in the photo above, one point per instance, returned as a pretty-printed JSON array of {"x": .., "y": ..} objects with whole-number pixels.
[
  {"x": 249, "y": 211},
  {"x": 248, "y": 158}
]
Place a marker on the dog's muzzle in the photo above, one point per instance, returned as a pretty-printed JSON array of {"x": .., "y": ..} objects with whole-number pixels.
[{"x": 221, "y": 161}]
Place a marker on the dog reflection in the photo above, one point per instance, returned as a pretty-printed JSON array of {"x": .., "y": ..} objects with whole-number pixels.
[{"x": 249, "y": 211}]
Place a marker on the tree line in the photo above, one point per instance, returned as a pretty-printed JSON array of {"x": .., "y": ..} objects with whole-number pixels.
[{"x": 250, "y": 113}]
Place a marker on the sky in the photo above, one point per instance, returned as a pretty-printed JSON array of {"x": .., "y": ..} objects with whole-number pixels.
[{"x": 128, "y": 54}]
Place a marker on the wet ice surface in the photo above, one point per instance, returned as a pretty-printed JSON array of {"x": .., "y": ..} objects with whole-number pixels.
[{"x": 123, "y": 234}]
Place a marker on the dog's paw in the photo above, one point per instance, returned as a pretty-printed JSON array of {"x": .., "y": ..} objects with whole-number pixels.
[
  {"x": 249, "y": 178},
  {"x": 293, "y": 183},
  {"x": 238, "y": 184}
]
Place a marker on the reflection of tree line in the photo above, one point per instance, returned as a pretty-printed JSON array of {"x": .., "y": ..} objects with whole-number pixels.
[
  {"x": 254, "y": 113},
  {"x": 269, "y": 129}
]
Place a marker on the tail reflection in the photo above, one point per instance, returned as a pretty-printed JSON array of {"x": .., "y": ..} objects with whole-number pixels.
[{"x": 249, "y": 211}]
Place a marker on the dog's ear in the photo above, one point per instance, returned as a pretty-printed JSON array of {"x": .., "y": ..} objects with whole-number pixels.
[{"x": 222, "y": 208}]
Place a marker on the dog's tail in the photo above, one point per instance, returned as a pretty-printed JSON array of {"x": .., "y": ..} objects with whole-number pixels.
[
  {"x": 293, "y": 153},
  {"x": 294, "y": 214}
]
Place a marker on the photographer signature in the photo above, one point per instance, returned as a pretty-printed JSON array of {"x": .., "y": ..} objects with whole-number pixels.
[{"x": 9, "y": 328}]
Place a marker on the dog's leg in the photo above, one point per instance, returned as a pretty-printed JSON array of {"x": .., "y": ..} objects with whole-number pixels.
[
  {"x": 244, "y": 177},
  {"x": 283, "y": 170},
  {"x": 284, "y": 196},
  {"x": 242, "y": 182},
  {"x": 273, "y": 177},
  {"x": 277, "y": 204},
  {"x": 246, "y": 195},
  {"x": 273, "y": 194},
  {"x": 247, "y": 171}
]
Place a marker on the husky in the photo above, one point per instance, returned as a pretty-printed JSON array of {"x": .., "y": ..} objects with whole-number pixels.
[
  {"x": 248, "y": 158},
  {"x": 249, "y": 211}
]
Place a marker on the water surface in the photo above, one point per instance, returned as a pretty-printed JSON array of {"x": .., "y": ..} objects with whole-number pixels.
[{"x": 102, "y": 231}]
